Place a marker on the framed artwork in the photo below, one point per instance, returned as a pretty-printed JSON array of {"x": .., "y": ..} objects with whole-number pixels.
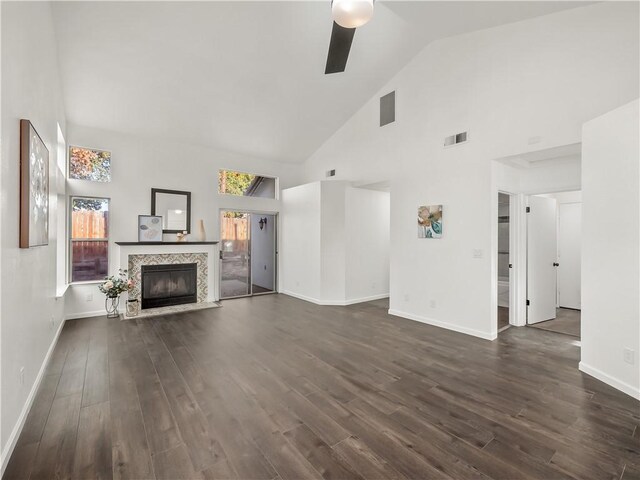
[
  {"x": 34, "y": 188},
  {"x": 149, "y": 228},
  {"x": 430, "y": 221}
]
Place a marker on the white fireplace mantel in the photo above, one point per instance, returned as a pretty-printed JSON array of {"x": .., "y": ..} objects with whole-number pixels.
[{"x": 148, "y": 248}]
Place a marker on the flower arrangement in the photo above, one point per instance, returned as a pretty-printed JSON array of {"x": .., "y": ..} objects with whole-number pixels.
[{"x": 114, "y": 285}]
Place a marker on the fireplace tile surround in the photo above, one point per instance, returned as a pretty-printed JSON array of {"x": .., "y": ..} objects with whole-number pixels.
[
  {"x": 138, "y": 260},
  {"x": 132, "y": 256}
]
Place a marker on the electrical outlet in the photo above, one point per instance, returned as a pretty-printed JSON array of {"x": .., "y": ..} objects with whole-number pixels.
[
  {"x": 477, "y": 253},
  {"x": 373, "y": 286},
  {"x": 432, "y": 304},
  {"x": 89, "y": 297},
  {"x": 534, "y": 140},
  {"x": 21, "y": 376},
  {"x": 629, "y": 356},
  {"x": 406, "y": 297},
  {"x": 265, "y": 267},
  {"x": 297, "y": 283}
]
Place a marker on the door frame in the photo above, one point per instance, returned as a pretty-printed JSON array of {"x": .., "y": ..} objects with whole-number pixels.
[
  {"x": 518, "y": 254},
  {"x": 276, "y": 252},
  {"x": 517, "y": 258}
]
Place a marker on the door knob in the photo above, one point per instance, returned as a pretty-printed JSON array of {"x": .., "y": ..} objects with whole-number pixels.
[{"x": 555, "y": 264}]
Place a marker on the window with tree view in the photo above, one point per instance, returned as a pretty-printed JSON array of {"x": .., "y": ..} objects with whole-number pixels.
[
  {"x": 89, "y": 164},
  {"x": 89, "y": 238},
  {"x": 246, "y": 184}
]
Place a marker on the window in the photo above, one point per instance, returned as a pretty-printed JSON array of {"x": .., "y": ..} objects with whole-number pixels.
[
  {"x": 89, "y": 238},
  {"x": 89, "y": 164},
  {"x": 246, "y": 184},
  {"x": 59, "y": 205}
]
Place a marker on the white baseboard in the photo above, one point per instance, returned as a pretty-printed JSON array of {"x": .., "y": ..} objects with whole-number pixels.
[
  {"x": 301, "y": 297},
  {"x": 609, "y": 380},
  {"x": 448, "y": 326},
  {"x": 335, "y": 302},
  {"x": 17, "y": 429},
  {"x": 96, "y": 313},
  {"x": 366, "y": 299}
]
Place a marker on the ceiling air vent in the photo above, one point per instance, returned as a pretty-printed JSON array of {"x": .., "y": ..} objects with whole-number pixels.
[
  {"x": 331, "y": 173},
  {"x": 456, "y": 139},
  {"x": 388, "y": 109}
]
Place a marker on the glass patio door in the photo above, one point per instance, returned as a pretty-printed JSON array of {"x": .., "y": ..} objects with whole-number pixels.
[
  {"x": 248, "y": 258},
  {"x": 235, "y": 254}
]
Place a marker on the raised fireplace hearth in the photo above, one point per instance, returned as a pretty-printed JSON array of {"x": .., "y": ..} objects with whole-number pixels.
[{"x": 169, "y": 284}]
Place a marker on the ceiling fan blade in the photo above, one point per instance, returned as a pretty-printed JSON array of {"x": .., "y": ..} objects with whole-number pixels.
[{"x": 339, "y": 47}]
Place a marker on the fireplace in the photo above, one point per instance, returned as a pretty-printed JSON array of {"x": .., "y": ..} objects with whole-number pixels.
[{"x": 164, "y": 285}]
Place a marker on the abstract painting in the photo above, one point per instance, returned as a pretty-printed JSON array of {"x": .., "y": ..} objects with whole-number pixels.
[
  {"x": 430, "y": 221},
  {"x": 149, "y": 228},
  {"x": 34, "y": 188}
]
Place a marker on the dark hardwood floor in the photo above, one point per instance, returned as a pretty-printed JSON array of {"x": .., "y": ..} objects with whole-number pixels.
[
  {"x": 567, "y": 321},
  {"x": 276, "y": 388},
  {"x": 503, "y": 318}
]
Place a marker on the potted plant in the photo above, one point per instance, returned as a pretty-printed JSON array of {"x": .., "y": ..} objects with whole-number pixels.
[{"x": 112, "y": 287}]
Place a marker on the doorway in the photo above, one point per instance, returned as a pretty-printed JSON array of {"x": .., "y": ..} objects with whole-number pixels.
[
  {"x": 553, "y": 262},
  {"x": 504, "y": 260},
  {"x": 248, "y": 253}
]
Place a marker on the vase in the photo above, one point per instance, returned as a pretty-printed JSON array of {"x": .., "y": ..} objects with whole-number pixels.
[
  {"x": 111, "y": 306},
  {"x": 201, "y": 236},
  {"x": 133, "y": 307}
]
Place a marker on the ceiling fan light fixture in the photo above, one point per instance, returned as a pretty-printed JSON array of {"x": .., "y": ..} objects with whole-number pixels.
[{"x": 351, "y": 13}]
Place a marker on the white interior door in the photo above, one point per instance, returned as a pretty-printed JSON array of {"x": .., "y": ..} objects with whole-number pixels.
[
  {"x": 542, "y": 252},
  {"x": 569, "y": 232}
]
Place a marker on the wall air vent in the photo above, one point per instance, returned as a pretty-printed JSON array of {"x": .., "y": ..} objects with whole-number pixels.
[
  {"x": 331, "y": 173},
  {"x": 456, "y": 139},
  {"x": 388, "y": 109}
]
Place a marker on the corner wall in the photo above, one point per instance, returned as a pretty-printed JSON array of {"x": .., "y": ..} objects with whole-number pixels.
[
  {"x": 611, "y": 248},
  {"x": 335, "y": 243},
  {"x": 30, "y": 314}
]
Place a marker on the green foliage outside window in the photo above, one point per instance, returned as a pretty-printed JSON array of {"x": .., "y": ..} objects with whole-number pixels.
[{"x": 234, "y": 183}]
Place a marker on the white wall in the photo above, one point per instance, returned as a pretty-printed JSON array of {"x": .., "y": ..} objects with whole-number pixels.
[
  {"x": 300, "y": 241},
  {"x": 263, "y": 248},
  {"x": 348, "y": 262},
  {"x": 333, "y": 240},
  {"x": 137, "y": 165},
  {"x": 611, "y": 247},
  {"x": 507, "y": 85},
  {"x": 367, "y": 243},
  {"x": 29, "y": 312}
]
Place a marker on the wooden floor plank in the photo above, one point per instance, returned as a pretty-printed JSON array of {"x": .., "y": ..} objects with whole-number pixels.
[
  {"x": 21, "y": 463},
  {"x": 131, "y": 456},
  {"x": 93, "y": 445},
  {"x": 175, "y": 464},
  {"x": 55, "y": 458},
  {"x": 320, "y": 455},
  {"x": 96, "y": 382},
  {"x": 37, "y": 418}
]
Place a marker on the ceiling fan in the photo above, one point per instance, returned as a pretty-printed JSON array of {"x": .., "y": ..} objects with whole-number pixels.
[{"x": 347, "y": 16}]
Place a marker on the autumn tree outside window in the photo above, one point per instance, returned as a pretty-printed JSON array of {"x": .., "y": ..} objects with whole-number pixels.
[{"x": 89, "y": 164}]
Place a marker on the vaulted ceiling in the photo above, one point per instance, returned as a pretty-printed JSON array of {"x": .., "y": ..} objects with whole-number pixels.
[{"x": 244, "y": 76}]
